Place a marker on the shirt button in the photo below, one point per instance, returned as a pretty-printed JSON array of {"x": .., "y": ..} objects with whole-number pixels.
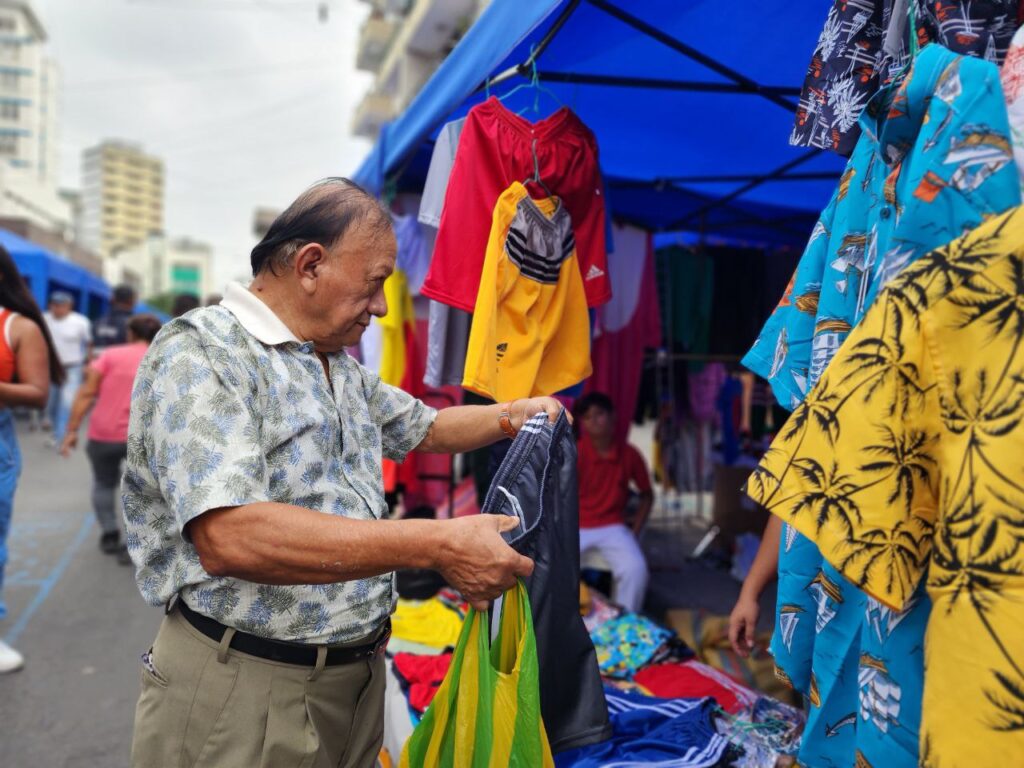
[{"x": 886, "y": 212}]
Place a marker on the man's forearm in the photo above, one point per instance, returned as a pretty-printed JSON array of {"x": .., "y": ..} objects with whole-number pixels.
[
  {"x": 463, "y": 428},
  {"x": 271, "y": 543}
]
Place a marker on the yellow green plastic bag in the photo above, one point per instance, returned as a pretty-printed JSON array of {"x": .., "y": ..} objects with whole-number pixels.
[{"x": 486, "y": 713}]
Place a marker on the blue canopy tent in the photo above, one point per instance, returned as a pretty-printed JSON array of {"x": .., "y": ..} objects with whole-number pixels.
[
  {"x": 47, "y": 272},
  {"x": 692, "y": 103}
]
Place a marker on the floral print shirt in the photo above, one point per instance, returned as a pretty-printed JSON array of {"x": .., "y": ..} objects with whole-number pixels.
[
  {"x": 904, "y": 465},
  {"x": 865, "y": 44},
  {"x": 229, "y": 408}
]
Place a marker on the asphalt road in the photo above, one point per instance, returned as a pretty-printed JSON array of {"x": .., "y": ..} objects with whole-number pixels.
[{"x": 76, "y": 616}]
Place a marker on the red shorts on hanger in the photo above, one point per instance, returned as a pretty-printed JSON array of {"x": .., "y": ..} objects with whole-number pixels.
[{"x": 495, "y": 149}]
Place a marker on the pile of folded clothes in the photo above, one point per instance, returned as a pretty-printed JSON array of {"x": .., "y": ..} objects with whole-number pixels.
[{"x": 665, "y": 705}]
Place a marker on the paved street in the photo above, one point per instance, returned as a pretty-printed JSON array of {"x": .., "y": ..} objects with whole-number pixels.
[{"x": 79, "y": 620}]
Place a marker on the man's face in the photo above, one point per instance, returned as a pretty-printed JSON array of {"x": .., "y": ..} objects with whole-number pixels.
[
  {"x": 60, "y": 310},
  {"x": 597, "y": 422},
  {"x": 350, "y": 287}
]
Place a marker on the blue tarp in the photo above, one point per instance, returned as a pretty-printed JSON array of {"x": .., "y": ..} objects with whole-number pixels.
[
  {"x": 47, "y": 272},
  {"x": 648, "y": 137}
]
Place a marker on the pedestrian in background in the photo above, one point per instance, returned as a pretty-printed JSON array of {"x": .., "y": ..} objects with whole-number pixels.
[
  {"x": 112, "y": 329},
  {"x": 28, "y": 367},
  {"x": 184, "y": 302},
  {"x": 107, "y": 392},
  {"x": 72, "y": 338}
]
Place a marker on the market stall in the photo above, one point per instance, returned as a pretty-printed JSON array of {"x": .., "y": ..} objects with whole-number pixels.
[
  {"x": 677, "y": 119},
  {"x": 47, "y": 272}
]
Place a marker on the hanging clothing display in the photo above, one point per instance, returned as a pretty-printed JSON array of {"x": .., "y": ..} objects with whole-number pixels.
[
  {"x": 685, "y": 285},
  {"x": 536, "y": 482},
  {"x": 626, "y": 269},
  {"x": 414, "y": 249},
  {"x": 531, "y": 330},
  {"x": 903, "y": 464},
  {"x": 865, "y": 45},
  {"x": 394, "y": 351},
  {"x": 1012, "y": 77},
  {"x": 441, "y": 161},
  {"x": 497, "y": 148},
  {"x": 447, "y": 341},
  {"x": 933, "y": 161},
  {"x": 735, "y": 303},
  {"x": 617, "y": 353}
]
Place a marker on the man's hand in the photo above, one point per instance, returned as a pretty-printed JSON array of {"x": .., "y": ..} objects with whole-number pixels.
[
  {"x": 476, "y": 560},
  {"x": 521, "y": 411},
  {"x": 69, "y": 443},
  {"x": 742, "y": 624}
]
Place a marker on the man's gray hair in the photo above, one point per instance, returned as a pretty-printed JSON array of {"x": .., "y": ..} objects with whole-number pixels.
[{"x": 322, "y": 214}]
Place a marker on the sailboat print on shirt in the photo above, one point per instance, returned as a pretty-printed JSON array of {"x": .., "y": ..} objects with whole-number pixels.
[
  {"x": 789, "y": 619},
  {"x": 829, "y": 597}
]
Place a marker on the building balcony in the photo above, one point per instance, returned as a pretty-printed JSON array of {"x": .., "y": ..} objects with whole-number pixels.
[
  {"x": 391, "y": 7},
  {"x": 375, "y": 39},
  {"x": 373, "y": 111},
  {"x": 435, "y": 25}
]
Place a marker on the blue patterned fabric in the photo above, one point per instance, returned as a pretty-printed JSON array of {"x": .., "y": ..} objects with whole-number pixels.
[
  {"x": 933, "y": 161},
  {"x": 220, "y": 419}
]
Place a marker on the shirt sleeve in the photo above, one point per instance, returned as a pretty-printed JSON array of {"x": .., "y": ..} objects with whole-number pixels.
[
  {"x": 86, "y": 330},
  {"x": 101, "y": 364},
  {"x": 855, "y": 467},
  {"x": 403, "y": 419},
  {"x": 198, "y": 426},
  {"x": 782, "y": 352}
]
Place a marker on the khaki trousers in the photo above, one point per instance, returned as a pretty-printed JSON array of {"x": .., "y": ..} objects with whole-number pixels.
[{"x": 210, "y": 707}]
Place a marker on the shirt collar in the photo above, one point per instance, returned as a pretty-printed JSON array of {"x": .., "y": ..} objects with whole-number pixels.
[
  {"x": 895, "y": 115},
  {"x": 256, "y": 317}
]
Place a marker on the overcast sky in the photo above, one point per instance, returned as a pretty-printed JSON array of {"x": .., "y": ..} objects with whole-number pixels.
[{"x": 246, "y": 101}]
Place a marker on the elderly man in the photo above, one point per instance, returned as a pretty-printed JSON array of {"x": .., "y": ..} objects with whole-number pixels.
[{"x": 254, "y": 504}]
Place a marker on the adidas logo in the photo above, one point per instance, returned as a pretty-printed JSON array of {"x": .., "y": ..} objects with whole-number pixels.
[
  {"x": 502, "y": 349},
  {"x": 594, "y": 272}
]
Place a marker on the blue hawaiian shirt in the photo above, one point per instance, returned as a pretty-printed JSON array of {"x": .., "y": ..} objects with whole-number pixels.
[
  {"x": 934, "y": 161},
  {"x": 229, "y": 408}
]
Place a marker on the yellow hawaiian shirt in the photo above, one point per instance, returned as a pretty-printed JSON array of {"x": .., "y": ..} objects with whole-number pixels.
[{"x": 907, "y": 462}]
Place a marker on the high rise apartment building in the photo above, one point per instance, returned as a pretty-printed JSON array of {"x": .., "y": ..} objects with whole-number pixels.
[
  {"x": 122, "y": 197},
  {"x": 29, "y": 87}
]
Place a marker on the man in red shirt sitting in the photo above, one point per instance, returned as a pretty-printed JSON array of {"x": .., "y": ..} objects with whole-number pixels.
[{"x": 607, "y": 469}]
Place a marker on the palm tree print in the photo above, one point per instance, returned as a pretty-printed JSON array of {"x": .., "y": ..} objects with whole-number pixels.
[
  {"x": 908, "y": 464},
  {"x": 1008, "y": 699},
  {"x": 829, "y": 494}
]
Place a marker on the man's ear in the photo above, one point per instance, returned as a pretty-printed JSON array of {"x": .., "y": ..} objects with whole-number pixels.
[{"x": 308, "y": 263}]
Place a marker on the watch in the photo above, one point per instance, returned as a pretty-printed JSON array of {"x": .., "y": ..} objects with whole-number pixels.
[{"x": 505, "y": 421}]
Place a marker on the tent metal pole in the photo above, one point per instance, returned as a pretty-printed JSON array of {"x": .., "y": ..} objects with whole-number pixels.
[
  {"x": 542, "y": 45},
  {"x": 673, "y": 180},
  {"x": 771, "y": 176},
  {"x": 667, "y": 85},
  {"x": 693, "y": 53}
]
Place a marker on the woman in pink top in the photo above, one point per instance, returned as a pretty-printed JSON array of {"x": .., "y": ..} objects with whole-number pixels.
[{"x": 107, "y": 391}]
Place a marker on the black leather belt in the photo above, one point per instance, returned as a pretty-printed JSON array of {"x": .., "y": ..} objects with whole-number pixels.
[{"x": 284, "y": 652}]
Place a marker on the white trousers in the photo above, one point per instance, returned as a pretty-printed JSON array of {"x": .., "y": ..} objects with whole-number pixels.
[{"x": 619, "y": 547}]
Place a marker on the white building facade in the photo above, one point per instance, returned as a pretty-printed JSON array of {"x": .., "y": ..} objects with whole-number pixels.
[
  {"x": 159, "y": 265},
  {"x": 402, "y": 42},
  {"x": 29, "y": 120}
]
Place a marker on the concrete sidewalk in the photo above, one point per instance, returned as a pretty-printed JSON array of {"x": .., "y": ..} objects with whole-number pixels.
[{"x": 76, "y": 616}]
